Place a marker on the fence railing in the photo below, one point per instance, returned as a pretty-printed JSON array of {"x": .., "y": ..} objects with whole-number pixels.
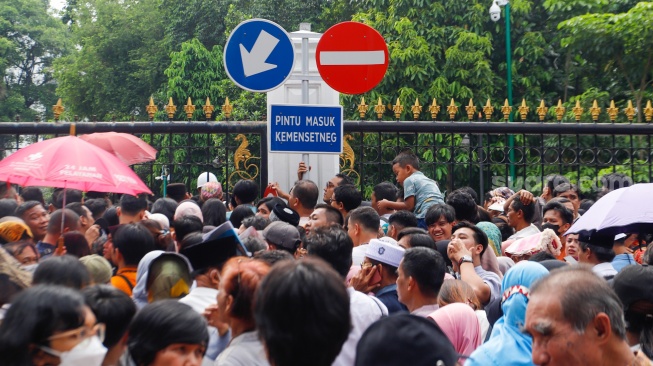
[{"x": 456, "y": 154}]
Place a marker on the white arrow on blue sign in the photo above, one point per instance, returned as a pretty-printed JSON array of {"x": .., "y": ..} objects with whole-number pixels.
[
  {"x": 314, "y": 129},
  {"x": 259, "y": 55}
]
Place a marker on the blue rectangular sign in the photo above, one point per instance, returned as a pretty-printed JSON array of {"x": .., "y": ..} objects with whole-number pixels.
[{"x": 306, "y": 129}]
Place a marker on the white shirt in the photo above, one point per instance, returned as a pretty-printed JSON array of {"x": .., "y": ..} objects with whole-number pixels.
[
  {"x": 525, "y": 232},
  {"x": 245, "y": 350},
  {"x": 481, "y": 315},
  {"x": 199, "y": 298},
  {"x": 364, "y": 311},
  {"x": 426, "y": 310},
  {"x": 604, "y": 270}
]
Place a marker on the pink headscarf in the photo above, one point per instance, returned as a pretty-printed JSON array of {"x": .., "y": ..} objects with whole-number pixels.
[{"x": 459, "y": 322}]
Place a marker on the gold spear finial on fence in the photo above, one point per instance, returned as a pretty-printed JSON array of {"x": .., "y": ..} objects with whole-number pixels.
[
  {"x": 471, "y": 109},
  {"x": 208, "y": 109},
  {"x": 541, "y": 110},
  {"x": 398, "y": 109},
  {"x": 506, "y": 110},
  {"x": 363, "y": 108},
  {"x": 189, "y": 108},
  {"x": 523, "y": 109},
  {"x": 595, "y": 111},
  {"x": 416, "y": 109},
  {"x": 434, "y": 108},
  {"x": 630, "y": 111},
  {"x": 648, "y": 111},
  {"x": 613, "y": 111},
  {"x": 171, "y": 108},
  {"x": 452, "y": 109},
  {"x": 488, "y": 110},
  {"x": 379, "y": 109},
  {"x": 578, "y": 111},
  {"x": 151, "y": 109},
  {"x": 560, "y": 111},
  {"x": 57, "y": 109},
  {"x": 227, "y": 108}
]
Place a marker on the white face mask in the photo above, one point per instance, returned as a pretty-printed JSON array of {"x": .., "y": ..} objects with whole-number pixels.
[
  {"x": 89, "y": 352},
  {"x": 29, "y": 267}
]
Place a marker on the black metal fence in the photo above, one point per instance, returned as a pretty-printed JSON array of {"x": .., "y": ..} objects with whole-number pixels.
[{"x": 456, "y": 154}]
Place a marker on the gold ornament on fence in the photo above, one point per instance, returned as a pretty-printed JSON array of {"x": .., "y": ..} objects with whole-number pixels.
[
  {"x": 379, "y": 109},
  {"x": 58, "y": 109},
  {"x": 347, "y": 159},
  {"x": 227, "y": 108},
  {"x": 362, "y": 108},
  {"x": 171, "y": 108},
  {"x": 613, "y": 111},
  {"x": 523, "y": 110},
  {"x": 398, "y": 109},
  {"x": 630, "y": 111},
  {"x": 506, "y": 110},
  {"x": 242, "y": 156},
  {"x": 560, "y": 111},
  {"x": 151, "y": 109},
  {"x": 452, "y": 109},
  {"x": 541, "y": 110},
  {"x": 189, "y": 108},
  {"x": 208, "y": 109},
  {"x": 416, "y": 109},
  {"x": 595, "y": 111},
  {"x": 648, "y": 111},
  {"x": 434, "y": 108},
  {"x": 471, "y": 109},
  {"x": 488, "y": 110},
  {"x": 578, "y": 111}
]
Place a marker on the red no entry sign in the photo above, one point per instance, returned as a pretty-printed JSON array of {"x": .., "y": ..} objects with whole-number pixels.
[{"x": 352, "y": 57}]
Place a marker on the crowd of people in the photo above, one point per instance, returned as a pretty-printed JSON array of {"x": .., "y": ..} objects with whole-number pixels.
[{"x": 410, "y": 277}]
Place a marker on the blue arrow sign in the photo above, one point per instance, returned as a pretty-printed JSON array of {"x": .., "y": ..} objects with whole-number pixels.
[
  {"x": 259, "y": 55},
  {"x": 305, "y": 129}
]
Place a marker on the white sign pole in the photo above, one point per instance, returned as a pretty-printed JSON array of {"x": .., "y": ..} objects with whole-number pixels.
[{"x": 305, "y": 51}]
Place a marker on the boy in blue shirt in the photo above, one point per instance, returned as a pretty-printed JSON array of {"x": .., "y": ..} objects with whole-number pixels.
[{"x": 420, "y": 192}]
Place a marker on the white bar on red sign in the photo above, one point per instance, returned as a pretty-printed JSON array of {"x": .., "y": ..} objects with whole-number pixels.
[{"x": 352, "y": 57}]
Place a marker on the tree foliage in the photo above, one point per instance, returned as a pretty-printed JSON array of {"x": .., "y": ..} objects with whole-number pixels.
[{"x": 30, "y": 39}]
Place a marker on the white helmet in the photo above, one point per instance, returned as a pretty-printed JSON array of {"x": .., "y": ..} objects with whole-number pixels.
[{"x": 204, "y": 178}]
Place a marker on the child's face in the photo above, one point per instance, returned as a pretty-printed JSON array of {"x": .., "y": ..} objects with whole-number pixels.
[{"x": 401, "y": 172}]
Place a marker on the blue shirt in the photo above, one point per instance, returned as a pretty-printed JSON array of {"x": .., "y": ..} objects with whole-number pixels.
[
  {"x": 45, "y": 249},
  {"x": 388, "y": 296},
  {"x": 622, "y": 260},
  {"x": 425, "y": 191}
]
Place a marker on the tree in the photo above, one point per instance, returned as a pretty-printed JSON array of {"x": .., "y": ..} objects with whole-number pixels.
[
  {"x": 30, "y": 39},
  {"x": 621, "y": 44},
  {"x": 119, "y": 60}
]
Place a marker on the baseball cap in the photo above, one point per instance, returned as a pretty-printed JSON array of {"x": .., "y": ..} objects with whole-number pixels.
[
  {"x": 282, "y": 234},
  {"x": 98, "y": 267},
  {"x": 204, "y": 178},
  {"x": 384, "y": 252},
  {"x": 404, "y": 339},
  {"x": 286, "y": 214}
]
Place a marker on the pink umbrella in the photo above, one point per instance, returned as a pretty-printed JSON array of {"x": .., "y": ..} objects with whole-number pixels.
[
  {"x": 128, "y": 148},
  {"x": 70, "y": 162}
]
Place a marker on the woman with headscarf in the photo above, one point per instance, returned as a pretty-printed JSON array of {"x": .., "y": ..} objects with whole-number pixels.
[
  {"x": 461, "y": 326},
  {"x": 507, "y": 344},
  {"x": 493, "y": 235},
  {"x": 161, "y": 275}
]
